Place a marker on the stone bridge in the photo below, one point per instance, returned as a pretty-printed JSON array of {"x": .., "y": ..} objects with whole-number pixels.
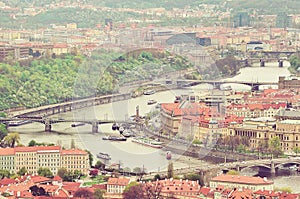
[
  {"x": 271, "y": 165},
  {"x": 217, "y": 84},
  {"x": 49, "y": 121}
]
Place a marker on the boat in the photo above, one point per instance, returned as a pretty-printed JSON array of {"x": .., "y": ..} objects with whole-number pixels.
[
  {"x": 115, "y": 126},
  {"x": 150, "y": 102},
  {"x": 103, "y": 156},
  {"x": 114, "y": 138},
  {"x": 121, "y": 129},
  {"x": 18, "y": 123},
  {"x": 148, "y": 142},
  {"x": 77, "y": 124},
  {"x": 126, "y": 133},
  {"x": 149, "y": 92},
  {"x": 168, "y": 155},
  {"x": 177, "y": 99}
]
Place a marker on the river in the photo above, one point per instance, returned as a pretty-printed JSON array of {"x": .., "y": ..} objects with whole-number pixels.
[{"x": 130, "y": 154}]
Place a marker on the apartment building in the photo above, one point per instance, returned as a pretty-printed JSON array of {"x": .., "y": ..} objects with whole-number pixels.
[
  {"x": 242, "y": 182},
  {"x": 7, "y": 159},
  {"x": 52, "y": 157},
  {"x": 75, "y": 159}
]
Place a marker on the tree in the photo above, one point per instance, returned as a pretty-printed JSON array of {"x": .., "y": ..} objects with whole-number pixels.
[
  {"x": 152, "y": 190},
  {"x": 3, "y": 131},
  {"x": 296, "y": 150},
  {"x": 274, "y": 146},
  {"x": 38, "y": 191},
  {"x": 195, "y": 177},
  {"x": 99, "y": 165},
  {"x": 137, "y": 170},
  {"x": 72, "y": 144},
  {"x": 11, "y": 139},
  {"x": 32, "y": 143},
  {"x": 62, "y": 172},
  {"x": 91, "y": 159},
  {"x": 45, "y": 172},
  {"x": 133, "y": 190},
  {"x": 84, "y": 193},
  {"x": 170, "y": 173},
  {"x": 98, "y": 194},
  {"x": 156, "y": 177},
  {"x": 22, "y": 171},
  {"x": 233, "y": 172},
  {"x": 4, "y": 174},
  {"x": 283, "y": 189}
]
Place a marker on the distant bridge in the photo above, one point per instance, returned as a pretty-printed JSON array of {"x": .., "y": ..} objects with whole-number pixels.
[
  {"x": 217, "y": 84},
  {"x": 48, "y": 110},
  {"x": 270, "y": 54},
  {"x": 269, "y": 164},
  {"x": 49, "y": 121}
]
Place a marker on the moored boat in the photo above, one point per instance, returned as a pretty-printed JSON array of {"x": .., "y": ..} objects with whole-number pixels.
[
  {"x": 149, "y": 92},
  {"x": 150, "y": 102},
  {"x": 103, "y": 156},
  {"x": 148, "y": 142},
  {"x": 77, "y": 124},
  {"x": 115, "y": 126},
  {"x": 169, "y": 155},
  {"x": 114, "y": 138}
]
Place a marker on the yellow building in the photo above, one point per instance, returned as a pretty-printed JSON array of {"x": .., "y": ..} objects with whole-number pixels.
[
  {"x": 288, "y": 132},
  {"x": 75, "y": 159},
  {"x": 7, "y": 159},
  {"x": 242, "y": 182},
  {"x": 26, "y": 157},
  {"x": 52, "y": 157},
  {"x": 49, "y": 158}
]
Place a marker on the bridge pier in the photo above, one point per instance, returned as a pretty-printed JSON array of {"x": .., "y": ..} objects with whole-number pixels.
[
  {"x": 48, "y": 126},
  {"x": 237, "y": 167},
  {"x": 95, "y": 127},
  {"x": 280, "y": 63},
  {"x": 273, "y": 171},
  {"x": 262, "y": 63}
]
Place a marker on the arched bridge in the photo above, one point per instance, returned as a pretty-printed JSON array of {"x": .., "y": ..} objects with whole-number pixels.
[
  {"x": 217, "y": 84},
  {"x": 271, "y": 165},
  {"x": 49, "y": 121},
  {"x": 268, "y": 164}
]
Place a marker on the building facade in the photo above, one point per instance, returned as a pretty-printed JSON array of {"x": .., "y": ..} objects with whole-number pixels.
[
  {"x": 52, "y": 157},
  {"x": 242, "y": 182},
  {"x": 75, "y": 159}
]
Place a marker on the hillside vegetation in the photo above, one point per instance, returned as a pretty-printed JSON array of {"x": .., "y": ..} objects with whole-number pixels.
[{"x": 47, "y": 81}]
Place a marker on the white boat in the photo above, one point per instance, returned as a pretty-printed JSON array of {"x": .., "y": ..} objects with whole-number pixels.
[
  {"x": 149, "y": 92},
  {"x": 148, "y": 142},
  {"x": 103, "y": 156},
  {"x": 150, "y": 102}
]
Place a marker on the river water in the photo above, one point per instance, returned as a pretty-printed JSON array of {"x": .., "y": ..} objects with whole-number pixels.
[{"x": 130, "y": 154}]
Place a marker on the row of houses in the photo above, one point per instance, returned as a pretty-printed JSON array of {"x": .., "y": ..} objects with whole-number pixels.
[
  {"x": 254, "y": 120},
  {"x": 220, "y": 187},
  {"x": 35, "y": 157}
]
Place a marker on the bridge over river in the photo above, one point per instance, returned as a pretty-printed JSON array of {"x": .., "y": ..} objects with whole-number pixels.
[{"x": 49, "y": 121}]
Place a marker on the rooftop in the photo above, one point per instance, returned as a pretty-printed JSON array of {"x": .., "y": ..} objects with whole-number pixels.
[{"x": 242, "y": 180}]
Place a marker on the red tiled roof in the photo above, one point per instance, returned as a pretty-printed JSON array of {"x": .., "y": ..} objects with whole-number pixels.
[
  {"x": 241, "y": 179},
  {"x": 7, "y": 151},
  {"x": 57, "y": 178},
  {"x": 6, "y": 181},
  {"x": 38, "y": 179},
  {"x": 36, "y": 148},
  {"x": 118, "y": 181},
  {"x": 73, "y": 151}
]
